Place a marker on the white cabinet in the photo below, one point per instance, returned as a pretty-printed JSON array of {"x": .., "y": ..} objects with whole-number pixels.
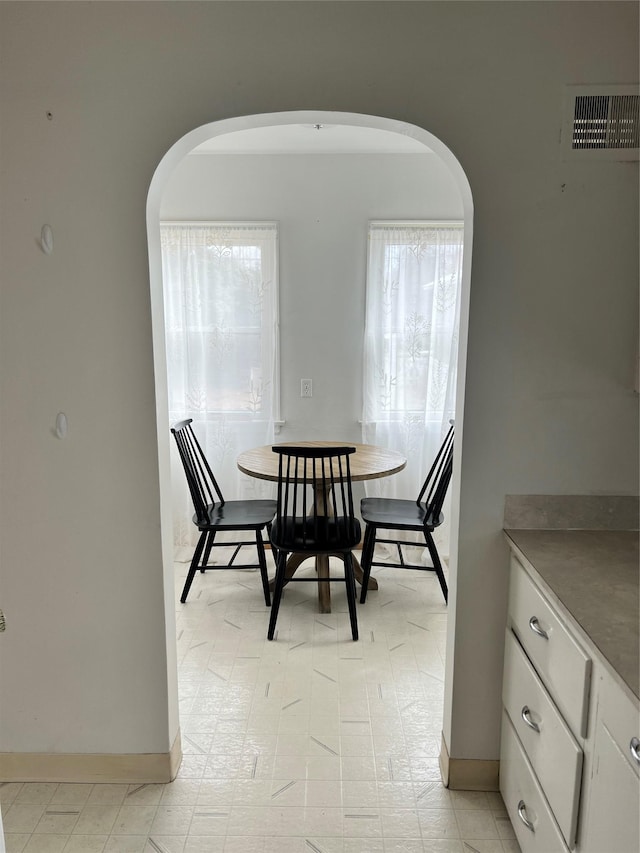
[
  {"x": 551, "y": 749},
  {"x": 533, "y": 821},
  {"x": 561, "y": 662},
  {"x": 612, "y": 820},
  {"x": 570, "y": 751},
  {"x": 547, "y": 675}
]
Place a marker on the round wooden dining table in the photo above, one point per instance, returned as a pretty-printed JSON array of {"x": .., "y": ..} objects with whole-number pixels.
[{"x": 369, "y": 462}]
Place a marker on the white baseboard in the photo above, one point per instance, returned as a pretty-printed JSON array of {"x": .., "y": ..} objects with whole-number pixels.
[
  {"x": 468, "y": 774},
  {"x": 79, "y": 767}
]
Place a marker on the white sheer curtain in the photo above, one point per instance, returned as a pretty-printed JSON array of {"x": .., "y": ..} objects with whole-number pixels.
[
  {"x": 221, "y": 323},
  {"x": 411, "y": 344}
]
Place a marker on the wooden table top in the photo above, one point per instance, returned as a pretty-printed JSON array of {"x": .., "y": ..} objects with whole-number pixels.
[{"x": 369, "y": 462}]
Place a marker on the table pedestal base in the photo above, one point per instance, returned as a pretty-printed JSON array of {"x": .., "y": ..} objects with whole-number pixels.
[{"x": 322, "y": 570}]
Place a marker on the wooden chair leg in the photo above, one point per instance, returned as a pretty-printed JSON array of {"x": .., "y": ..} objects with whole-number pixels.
[
  {"x": 193, "y": 567},
  {"x": 277, "y": 592},
  {"x": 368, "y": 547},
  {"x": 350, "y": 583},
  {"x": 263, "y": 567},
  {"x": 437, "y": 565}
]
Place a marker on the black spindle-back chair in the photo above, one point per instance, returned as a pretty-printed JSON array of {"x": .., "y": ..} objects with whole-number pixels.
[
  {"x": 423, "y": 515},
  {"x": 315, "y": 515},
  {"x": 215, "y": 515}
]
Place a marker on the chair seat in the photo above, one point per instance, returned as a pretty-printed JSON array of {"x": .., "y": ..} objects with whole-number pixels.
[
  {"x": 397, "y": 514},
  {"x": 238, "y": 515},
  {"x": 329, "y": 534}
]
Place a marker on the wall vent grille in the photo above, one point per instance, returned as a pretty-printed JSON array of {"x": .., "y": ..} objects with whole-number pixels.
[
  {"x": 602, "y": 122},
  {"x": 606, "y": 121}
]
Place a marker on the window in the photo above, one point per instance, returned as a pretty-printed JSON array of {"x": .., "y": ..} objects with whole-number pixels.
[
  {"x": 221, "y": 301},
  {"x": 221, "y": 324},
  {"x": 414, "y": 274}
]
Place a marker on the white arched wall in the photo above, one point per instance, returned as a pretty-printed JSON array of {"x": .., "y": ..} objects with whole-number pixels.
[{"x": 168, "y": 163}]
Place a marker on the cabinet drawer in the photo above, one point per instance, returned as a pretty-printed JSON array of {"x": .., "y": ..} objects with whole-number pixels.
[
  {"x": 553, "y": 752},
  {"x": 562, "y": 665},
  {"x": 529, "y": 812}
]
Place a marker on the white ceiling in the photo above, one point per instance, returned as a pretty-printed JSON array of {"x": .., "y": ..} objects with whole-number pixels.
[{"x": 312, "y": 139}]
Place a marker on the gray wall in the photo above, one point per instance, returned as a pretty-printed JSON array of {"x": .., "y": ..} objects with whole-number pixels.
[{"x": 87, "y": 662}]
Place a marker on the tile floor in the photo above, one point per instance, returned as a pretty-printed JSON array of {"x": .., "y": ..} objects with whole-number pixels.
[{"x": 308, "y": 744}]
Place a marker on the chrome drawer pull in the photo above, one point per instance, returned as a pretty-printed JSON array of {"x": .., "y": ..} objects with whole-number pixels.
[
  {"x": 634, "y": 747},
  {"x": 525, "y": 716},
  {"x": 522, "y": 814},
  {"x": 535, "y": 627}
]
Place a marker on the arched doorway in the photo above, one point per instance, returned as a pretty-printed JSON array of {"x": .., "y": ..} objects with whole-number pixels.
[{"x": 231, "y": 126}]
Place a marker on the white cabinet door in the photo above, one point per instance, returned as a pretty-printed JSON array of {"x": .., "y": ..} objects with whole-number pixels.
[{"x": 613, "y": 820}]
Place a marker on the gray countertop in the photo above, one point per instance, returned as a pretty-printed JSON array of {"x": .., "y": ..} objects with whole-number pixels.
[{"x": 594, "y": 575}]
